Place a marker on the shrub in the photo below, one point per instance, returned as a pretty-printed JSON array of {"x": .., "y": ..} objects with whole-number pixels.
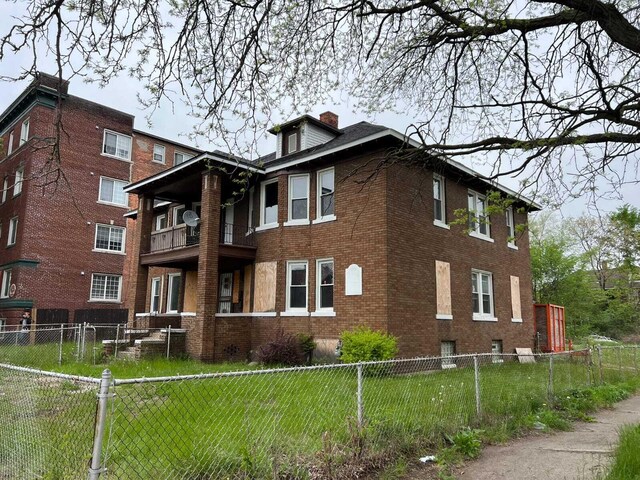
[
  {"x": 284, "y": 349},
  {"x": 366, "y": 345}
]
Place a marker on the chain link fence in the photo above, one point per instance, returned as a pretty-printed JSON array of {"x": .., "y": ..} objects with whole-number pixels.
[{"x": 307, "y": 422}]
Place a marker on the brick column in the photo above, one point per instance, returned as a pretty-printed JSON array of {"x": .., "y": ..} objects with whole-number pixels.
[
  {"x": 139, "y": 274},
  {"x": 201, "y": 336}
]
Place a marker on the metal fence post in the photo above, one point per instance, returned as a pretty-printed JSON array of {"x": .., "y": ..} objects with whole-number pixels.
[
  {"x": 620, "y": 358},
  {"x": 600, "y": 364},
  {"x": 61, "y": 340},
  {"x": 101, "y": 422},
  {"x": 476, "y": 369},
  {"x": 635, "y": 357},
  {"x": 550, "y": 392},
  {"x": 168, "y": 341},
  {"x": 359, "y": 395},
  {"x": 115, "y": 348},
  {"x": 78, "y": 333}
]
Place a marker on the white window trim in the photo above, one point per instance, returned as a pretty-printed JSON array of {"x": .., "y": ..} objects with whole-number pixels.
[
  {"x": 10, "y": 146},
  {"x": 484, "y": 317},
  {"x": 164, "y": 154},
  {"x": 170, "y": 280},
  {"x": 24, "y": 132},
  {"x": 297, "y": 310},
  {"x": 323, "y": 313},
  {"x": 265, "y": 226},
  {"x": 516, "y": 320},
  {"x": 476, "y": 231},
  {"x": 326, "y": 218},
  {"x": 109, "y": 300},
  {"x": 6, "y": 283},
  {"x": 104, "y": 202},
  {"x": 444, "y": 316},
  {"x": 174, "y": 215},
  {"x": 300, "y": 221},
  {"x": 157, "y": 219},
  {"x": 160, "y": 285},
  {"x": 106, "y": 250},
  {"x": 17, "y": 184},
  {"x": 5, "y": 189},
  {"x": 440, "y": 223},
  {"x": 318, "y": 284},
  {"x": 185, "y": 155},
  {"x": 511, "y": 229},
  {"x": 250, "y": 228},
  {"x": 12, "y": 237},
  {"x": 104, "y": 139}
]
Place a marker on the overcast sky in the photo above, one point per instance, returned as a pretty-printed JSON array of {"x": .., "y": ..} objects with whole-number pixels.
[{"x": 173, "y": 121}]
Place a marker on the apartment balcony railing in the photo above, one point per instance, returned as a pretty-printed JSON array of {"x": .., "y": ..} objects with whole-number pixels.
[{"x": 183, "y": 236}]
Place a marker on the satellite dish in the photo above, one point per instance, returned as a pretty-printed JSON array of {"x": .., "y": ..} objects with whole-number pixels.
[{"x": 190, "y": 218}]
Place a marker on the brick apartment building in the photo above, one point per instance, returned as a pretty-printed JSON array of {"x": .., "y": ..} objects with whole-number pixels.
[
  {"x": 63, "y": 243},
  {"x": 321, "y": 240}
]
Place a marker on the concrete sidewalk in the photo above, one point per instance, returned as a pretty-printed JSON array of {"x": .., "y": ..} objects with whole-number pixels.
[{"x": 579, "y": 454}]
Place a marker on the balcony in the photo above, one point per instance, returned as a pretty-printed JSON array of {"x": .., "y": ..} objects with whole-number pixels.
[{"x": 180, "y": 244}]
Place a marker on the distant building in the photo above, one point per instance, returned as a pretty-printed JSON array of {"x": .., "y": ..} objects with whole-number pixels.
[{"x": 62, "y": 233}]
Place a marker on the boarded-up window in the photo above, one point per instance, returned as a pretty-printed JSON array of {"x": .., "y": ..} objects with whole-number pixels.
[
  {"x": 264, "y": 299},
  {"x": 246, "y": 296},
  {"x": 516, "y": 310},
  {"x": 443, "y": 291}
]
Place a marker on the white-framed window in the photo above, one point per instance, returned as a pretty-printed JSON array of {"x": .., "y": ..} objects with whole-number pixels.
[
  {"x": 17, "y": 185},
  {"x": 298, "y": 199},
  {"x": 439, "y": 212},
  {"x": 159, "y": 153},
  {"x": 269, "y": 203},
  {"x": 106, "y": 287},
  {"x": 326, "y": 195},
  {"x": 109, "y": 238},
  {"x": 24, "y": 132},
  {"x": 324, "y": 285},
  {"x": 3, "y": 326},
  {"x": 290, "y": 142},
  {"x": 297, "y": 286},
  {"x": 13, "y": 231},
  {"x": 173, "y": 295},
  {"x": 6, "y": 283},
  {"x": 10, "y": 146},
  {"x": 5, "y": 189},
  {"x": 112, "y": 191},
  {"x": 181, "y": 157},
  {"x": 478, "y": 220},
  {"x": 156, "y": 294},
  {"x": 116, "y": 145},
  {"x": 447, "y": 351},
  {"x": 511, "y": 228},
  {"x": 178, "y": 212},
  {"x": 496, "y": 351},
  {"x": 482, "y": 295},
  {"x": 161, "y": 221}
]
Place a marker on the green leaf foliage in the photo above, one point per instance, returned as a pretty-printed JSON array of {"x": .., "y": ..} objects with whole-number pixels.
[{"x": 366, "y": 345}]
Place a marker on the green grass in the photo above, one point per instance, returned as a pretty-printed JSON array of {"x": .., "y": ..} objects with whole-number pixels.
[
  {"x": 284, "y": 424},
  {"x": 626, "y": 464}
]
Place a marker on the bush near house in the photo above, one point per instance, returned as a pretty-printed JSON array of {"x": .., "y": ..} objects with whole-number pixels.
[
  {"x": 366, "y": 345},
  {"x": 285, "y": 349}
]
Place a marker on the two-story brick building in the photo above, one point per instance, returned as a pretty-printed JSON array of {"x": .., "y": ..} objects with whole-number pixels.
[
  {"x": 62, "y": 231},
  {"x": 325, "y": 235}
]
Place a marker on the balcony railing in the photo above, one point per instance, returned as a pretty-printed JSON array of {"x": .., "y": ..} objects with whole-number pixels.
[
  {"x": 183, "y": 236},
  {"x": 237, "y": 234}
]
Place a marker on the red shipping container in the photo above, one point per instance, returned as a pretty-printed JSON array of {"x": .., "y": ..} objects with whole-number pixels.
[{"x": 550, "y": 327}]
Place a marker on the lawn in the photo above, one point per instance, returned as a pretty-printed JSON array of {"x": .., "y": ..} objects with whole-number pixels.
[{"x": 261, "y": 425}]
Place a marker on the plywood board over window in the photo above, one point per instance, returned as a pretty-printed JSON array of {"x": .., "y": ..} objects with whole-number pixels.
[
  {"x": 443, "y": 291},
  {"x": 246, "y": 294},
  {"x": 190, "y": 292},
  {"x": 264, "y": 299},
  {"x": 516, "y": 309}
]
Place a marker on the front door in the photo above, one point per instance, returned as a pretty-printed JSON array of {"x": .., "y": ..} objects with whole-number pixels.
[
  {"x": 225, "y": 292},
  {"x": 228, "y": 223}
]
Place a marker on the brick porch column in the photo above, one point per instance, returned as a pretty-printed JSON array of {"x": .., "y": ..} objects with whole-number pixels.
[
  {"x": 139, "y": 274},
  {"x": 201, "y": 336}
]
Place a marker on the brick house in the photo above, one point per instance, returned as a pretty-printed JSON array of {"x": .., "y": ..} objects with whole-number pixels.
[
  {"x": 63, "y": 238},
  {"x": 320, "y": 240}
]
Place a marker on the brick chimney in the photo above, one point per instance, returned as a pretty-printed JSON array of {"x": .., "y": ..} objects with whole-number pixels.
[{"x": 329, "y": 118}]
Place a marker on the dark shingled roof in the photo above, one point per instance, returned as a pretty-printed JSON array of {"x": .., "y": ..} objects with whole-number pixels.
[{"x": 349, "y": 134}]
